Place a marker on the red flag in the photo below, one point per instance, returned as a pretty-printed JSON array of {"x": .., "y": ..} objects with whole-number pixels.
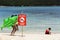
[{"x": 22, "y": 19}]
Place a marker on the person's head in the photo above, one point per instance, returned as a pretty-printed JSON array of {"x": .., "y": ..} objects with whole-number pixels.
[
  {"x": 13, "y": 15},
  {"x": 49, "y": 28}
]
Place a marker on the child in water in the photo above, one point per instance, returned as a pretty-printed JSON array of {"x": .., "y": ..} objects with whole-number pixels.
[{"x": 48, "y": 31}]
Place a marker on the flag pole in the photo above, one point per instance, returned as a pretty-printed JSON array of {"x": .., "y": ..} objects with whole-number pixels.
[
  {"x": 22, "y": 31},
  {"x": 22, "y": 13}
]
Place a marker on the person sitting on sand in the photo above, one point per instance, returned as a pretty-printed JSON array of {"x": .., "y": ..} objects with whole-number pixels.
[{"x": 48, "y": 31}]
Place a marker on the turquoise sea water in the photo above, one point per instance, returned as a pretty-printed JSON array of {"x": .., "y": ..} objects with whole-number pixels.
[{"x": 38, "y": 18}]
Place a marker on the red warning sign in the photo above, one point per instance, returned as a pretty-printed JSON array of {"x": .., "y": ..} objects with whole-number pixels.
[{"x": 22, "y": 19}]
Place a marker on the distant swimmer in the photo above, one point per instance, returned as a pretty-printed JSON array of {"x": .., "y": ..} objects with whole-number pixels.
[{"x": 48, "y": 31}]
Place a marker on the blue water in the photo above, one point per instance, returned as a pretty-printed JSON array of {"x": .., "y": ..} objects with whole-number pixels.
[{"x": 38, "y": 18}]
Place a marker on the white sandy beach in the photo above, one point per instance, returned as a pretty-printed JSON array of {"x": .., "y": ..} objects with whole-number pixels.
[{"x": 29, "y": 36}]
